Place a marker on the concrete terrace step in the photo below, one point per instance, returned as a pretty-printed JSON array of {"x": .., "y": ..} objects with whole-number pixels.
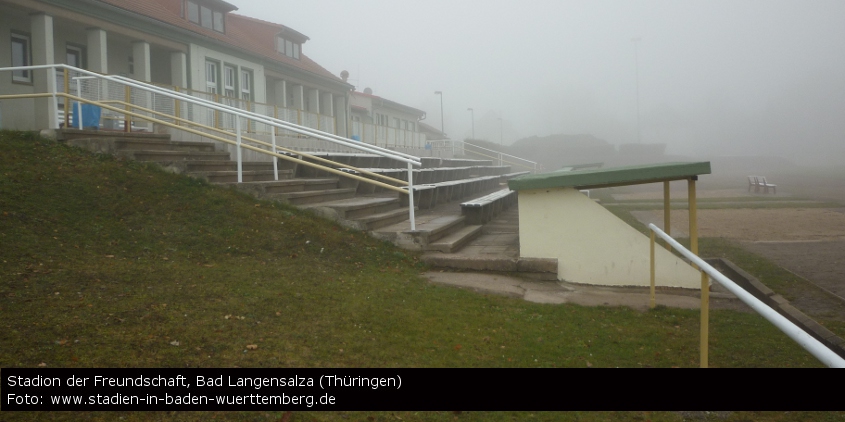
[
  {"x": 143, "y": 144},
  {"x": 70, "y": 134},
  {"x": 377, "y": 221},
  {"x": 270, "y": 188},
  {"x": 201, "y": 165},
  {"x": 313, "y": 197},
  {"x": 359, "y": 207},
  {"x": 246, "y": 176},
  {"x": 535, "y": 268},
  {"x": 167, "y": 156},
  {"x": 455, "y": 241}
]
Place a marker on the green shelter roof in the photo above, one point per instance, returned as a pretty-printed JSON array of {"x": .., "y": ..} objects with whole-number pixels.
[{"x": 618, "y": 176}]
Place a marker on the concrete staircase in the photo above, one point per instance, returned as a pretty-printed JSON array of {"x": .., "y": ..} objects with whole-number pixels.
[{"x": 441, "y": 231}]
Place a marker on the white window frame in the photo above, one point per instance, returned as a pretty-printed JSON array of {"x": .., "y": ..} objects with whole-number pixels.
[
  {"x": 193, "y": 7},
  {"x": 246, "y": 85},
  {"x": 212, "y": 76},
  {"x": 78, "y": 52},
  {"x": 22, "y": 76},
  {"x": 218, "y": 21},
  {"x": 229, "y": 81}
]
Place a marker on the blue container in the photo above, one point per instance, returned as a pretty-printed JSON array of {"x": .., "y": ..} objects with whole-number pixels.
[
  {"x": 90, "y": 116},
  {"x": 356, "y": 138}
]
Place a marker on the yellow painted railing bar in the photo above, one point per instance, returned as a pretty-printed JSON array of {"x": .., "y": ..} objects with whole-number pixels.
[
  {"x": 250, "y": 147},
  {"x": 322, "y": 160}
]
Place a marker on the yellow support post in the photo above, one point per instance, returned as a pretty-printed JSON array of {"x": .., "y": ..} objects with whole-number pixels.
[
  {"x": 217, "y": 112},
  {"x": 693, "y": 217},
  {"x": 667, "y": 212},
  {"x": 177, "y": 108},
  {"x": 127, "y": 119},
  {"x": 705, "y": 318},
  {"x": 652, "y": 302}
]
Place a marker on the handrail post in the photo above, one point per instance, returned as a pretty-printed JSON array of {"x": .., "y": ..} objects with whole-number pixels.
[
  {"x": 67, "y": 91},
  {"x": 54, "y": 118},
  {"x": 651, "y": 301},
  {"x": 411, "y": 196},
  {"x": 79, "y": 105},
  {"x": 240, "y": 163},
  {"x": 275, "y": 160}
]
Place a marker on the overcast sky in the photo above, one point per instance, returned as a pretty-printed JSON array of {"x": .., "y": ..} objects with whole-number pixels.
[{"x": 737, "y": 76}]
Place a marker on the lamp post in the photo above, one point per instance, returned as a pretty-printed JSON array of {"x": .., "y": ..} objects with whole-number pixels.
[
  {"x": 472, "y": 112},
  {"x": 637, "y": 73},
  {"x": 442, "y": 131}
]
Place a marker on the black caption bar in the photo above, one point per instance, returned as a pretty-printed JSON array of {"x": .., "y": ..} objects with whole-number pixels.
[{"x": 416, "y": 389}]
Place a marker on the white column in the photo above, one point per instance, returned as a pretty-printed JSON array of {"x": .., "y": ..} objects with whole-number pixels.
[
  {"x": 98, "y": 57},
  {"x": 341, "y": 117},
  {"x": 281, "y": 93},
  {"x": 179, "y": 69},
  {"x": 43, "y": 53},
  {"x": 326, "y": 104},
  {"x": 141, "y": 58},
  {"x": 314, "y": 100},
  {"x": 299, "y": 97}
]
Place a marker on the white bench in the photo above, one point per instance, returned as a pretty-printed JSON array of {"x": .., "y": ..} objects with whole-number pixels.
[{"x": 482, "y": 210}]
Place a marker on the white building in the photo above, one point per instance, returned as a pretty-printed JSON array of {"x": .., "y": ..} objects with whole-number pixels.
[{"x": 199, "y": 46}]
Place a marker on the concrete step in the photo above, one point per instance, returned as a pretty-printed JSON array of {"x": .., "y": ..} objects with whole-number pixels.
[
  {"x": 360, "y": 207},
  {"x": 144, "y": 144},
  {"x": 202, "y": 165},
  {"x": 313, "y": 197},
  {"x": 247, "y": 176},
  {"x": 456, "y": 240},
  {"x": 169, "y": 156},
  {"x": 535, "y": 268},
  {"x": 70, "y": 134},
  {"x": 442, "y": 226},
  {"x": 384, "y": 219},
  {"x": 270, "y": 188}
]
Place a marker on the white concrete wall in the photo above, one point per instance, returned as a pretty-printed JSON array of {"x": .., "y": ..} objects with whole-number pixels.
[{"x": 591, "y": 244}]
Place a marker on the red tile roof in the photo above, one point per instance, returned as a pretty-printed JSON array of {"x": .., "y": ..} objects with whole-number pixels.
[{"x": 253, "y": 35}]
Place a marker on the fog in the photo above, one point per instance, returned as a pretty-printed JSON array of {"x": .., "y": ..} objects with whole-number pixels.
[{"x": 714, "y": 77}]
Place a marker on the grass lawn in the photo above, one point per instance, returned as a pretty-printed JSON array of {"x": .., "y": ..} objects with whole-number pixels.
[{"x": 112, "y": 263}]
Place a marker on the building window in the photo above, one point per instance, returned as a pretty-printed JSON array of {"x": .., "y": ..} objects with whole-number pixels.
[
  {"x": 205, "y": 16},
  {"x": 287, "y": 47},
  {"x": 193, "y": 12},
  {"x": 75, "y": 56},
  {"x": 21, "y": 56},
  {"x": 218, "y": 21},
  {"x": 229, "y": 81},
  {"x": 246, "y": 85},
  {"x": 211, "y": 77},
  {"x": 131, "y": 62}
]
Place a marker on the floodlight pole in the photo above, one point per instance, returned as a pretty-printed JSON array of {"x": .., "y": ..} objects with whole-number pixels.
[{"x": 636, "y": 40}]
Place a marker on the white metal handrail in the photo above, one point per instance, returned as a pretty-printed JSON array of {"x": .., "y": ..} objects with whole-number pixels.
[
  {"x": 502, "y": 154},
  {"x": 808, "y": 342},
  {"x": 238, "y": 113}
]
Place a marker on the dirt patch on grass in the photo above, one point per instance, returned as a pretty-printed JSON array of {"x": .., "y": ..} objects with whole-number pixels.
[{"x": 749, "y": 224}]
